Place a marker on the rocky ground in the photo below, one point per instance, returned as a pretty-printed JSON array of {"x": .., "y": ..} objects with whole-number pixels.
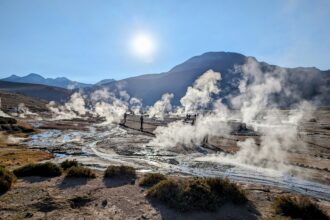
[{"x": 62, "y": 198}]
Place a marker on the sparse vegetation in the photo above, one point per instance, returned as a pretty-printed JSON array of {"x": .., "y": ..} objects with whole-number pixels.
[
  {"x": 80, "y": 172},
  {"x": 120, "y": 172},
  {"x": 6, "y": 120},
  {"x": 79, "y": 201},
  {"x": 47, "y": 169},
  {"x": 151, "y": 179},
  {"x": 197, "y": 193},
  {"x": 15, "y": 156},
  {"x": 298, "y": 207},
  {"x": 7, "y": 178},
  {"x": 225, "y": 190},
  {"x": 68, "y": 164}
]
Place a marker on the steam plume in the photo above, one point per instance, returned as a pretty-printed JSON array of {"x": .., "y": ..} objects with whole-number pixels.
[{"x": 161, "y": 107}]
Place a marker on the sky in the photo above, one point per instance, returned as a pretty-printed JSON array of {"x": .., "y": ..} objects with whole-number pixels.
[{"x": 87, "y": 40}]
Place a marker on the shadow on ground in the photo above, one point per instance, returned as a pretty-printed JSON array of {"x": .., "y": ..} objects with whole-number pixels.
[
  {"x": 35, "y": 179},
  {"x": 227, "y": 211},
  {"x": 69, "y": 182},
  {"x": 116, "y": 182}
]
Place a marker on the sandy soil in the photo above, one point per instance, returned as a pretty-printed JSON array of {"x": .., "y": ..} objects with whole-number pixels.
[{"x": 41, "y": 198}]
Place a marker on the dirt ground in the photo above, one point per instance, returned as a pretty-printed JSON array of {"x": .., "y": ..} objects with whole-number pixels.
[
  {"x": 62, "y": 198},
  {"x": 14, "y": 154}
]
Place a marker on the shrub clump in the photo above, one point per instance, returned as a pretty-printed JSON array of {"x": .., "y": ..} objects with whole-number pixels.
[
  {"x": 6, "y": 120},
  {"x": 120, "y": 171},
  {"x": 167, "y": 191},
  {"x": 197, "y": 193},
  {"x": 298, "y": 208},
  {"x": 80, "y": 172},
  {"x": 7, "y": 178},
  {"x": 224, "y": 190},
  {"x": 151, "y": 179},
  {"x": 68, "y": 164},
  {"x": 47, "y": 169}
]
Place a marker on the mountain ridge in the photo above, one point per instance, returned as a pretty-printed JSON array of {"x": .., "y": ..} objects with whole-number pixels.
[
  {"x": 37, "y": 91},
  {"x": 34, "y": 78},
  {"x": 308, "y": 83}
]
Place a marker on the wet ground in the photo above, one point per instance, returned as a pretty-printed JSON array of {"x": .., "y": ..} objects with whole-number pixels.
[{"x": 98, "y": 145}]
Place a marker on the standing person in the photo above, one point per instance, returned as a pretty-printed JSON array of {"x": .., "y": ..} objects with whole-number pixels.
[
  {"x": 141, "y": 123},
  {"x": 125, "y": 116},
  {"x": 206, "y": 139}
]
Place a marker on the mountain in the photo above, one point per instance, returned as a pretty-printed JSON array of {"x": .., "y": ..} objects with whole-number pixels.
[
  {"x": 42, "y": 92},
  {"x": 37, "y": 79},
  {"x": 104, "y": 81},
  {"x": 305, "y": 83}
]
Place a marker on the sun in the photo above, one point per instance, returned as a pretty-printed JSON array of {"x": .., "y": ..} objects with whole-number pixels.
[{"x": 143, "y": 45}]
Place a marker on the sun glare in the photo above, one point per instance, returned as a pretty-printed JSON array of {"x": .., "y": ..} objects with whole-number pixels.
[{"x": 143, "y": 46}]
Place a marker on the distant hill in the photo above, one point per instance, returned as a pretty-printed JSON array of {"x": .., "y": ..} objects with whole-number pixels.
[
  {"x": 10, "y": 101},
  {"x": 307, "y": 83},
  {"x": 42, "y": 92},
  {"x": 104, "y": 81},
  {"x": 38, "y": 79}
]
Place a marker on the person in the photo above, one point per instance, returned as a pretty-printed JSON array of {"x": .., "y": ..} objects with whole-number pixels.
[
  {"x": 141, "y": 123},
  {"x": 125, "y": 116},
  {"x": 206, "y": 139}
]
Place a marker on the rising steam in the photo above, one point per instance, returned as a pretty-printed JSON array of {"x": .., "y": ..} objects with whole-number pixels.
[
  {"x": 278, "y": 129},
  {"x": 161, "y": 107},
  {"x": 100, "y": 103},
  {"x": 199, "y": 96}
]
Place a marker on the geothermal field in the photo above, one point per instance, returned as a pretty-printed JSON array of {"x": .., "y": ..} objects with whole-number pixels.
[{"x": 266, "y": 150}]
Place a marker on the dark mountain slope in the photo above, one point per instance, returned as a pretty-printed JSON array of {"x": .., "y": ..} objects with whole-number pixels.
[
  {"x": 47, "y": 93},
  {"x": 10, "y": 101},
  {"x": 305, "y": 83},
  {"x": 150, "y": 87}
]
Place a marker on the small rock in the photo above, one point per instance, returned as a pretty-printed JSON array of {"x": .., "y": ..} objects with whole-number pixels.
[
  {"x": 28, "y": 215},
  {"x": 104, "y": 203}
]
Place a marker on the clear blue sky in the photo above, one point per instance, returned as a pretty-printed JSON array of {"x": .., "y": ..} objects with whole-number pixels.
[{"x": 88, "y": 40}]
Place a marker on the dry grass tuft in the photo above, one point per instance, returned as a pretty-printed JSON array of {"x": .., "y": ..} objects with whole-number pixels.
[
  {"x": 151, "y": 179},
  {"x": 7, "y": 178},
  {"x": 47, "y": 169},
  {"x": 197, "y": 193},
  {"x": 68, "y": 164},
  {"x": 298, "y": 207},
  {"x": 80, "y": 172},
  {"x": 120, "y": 172}
]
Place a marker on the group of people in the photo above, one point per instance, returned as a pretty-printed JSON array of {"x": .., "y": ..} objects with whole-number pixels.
[
  {"x": 141, "y": 120},
  {"x": 189, "y": 117}
]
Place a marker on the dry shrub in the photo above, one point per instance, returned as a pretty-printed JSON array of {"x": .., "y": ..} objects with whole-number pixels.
[
  {"x": 151, "y": 179},
  {"x": 197, "y": 193},
  {"x": 6, "y": 120},
  {"x": 80, "y": 172},
  {"x": 68, "y": 164},
  {"x": 167, "y": 191},
  {"x": 298, "y": 207},
  {"x": 47, "y": 169},
  {"x": 120, "y": 172},
  {"x": 7, "y": 178}
]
